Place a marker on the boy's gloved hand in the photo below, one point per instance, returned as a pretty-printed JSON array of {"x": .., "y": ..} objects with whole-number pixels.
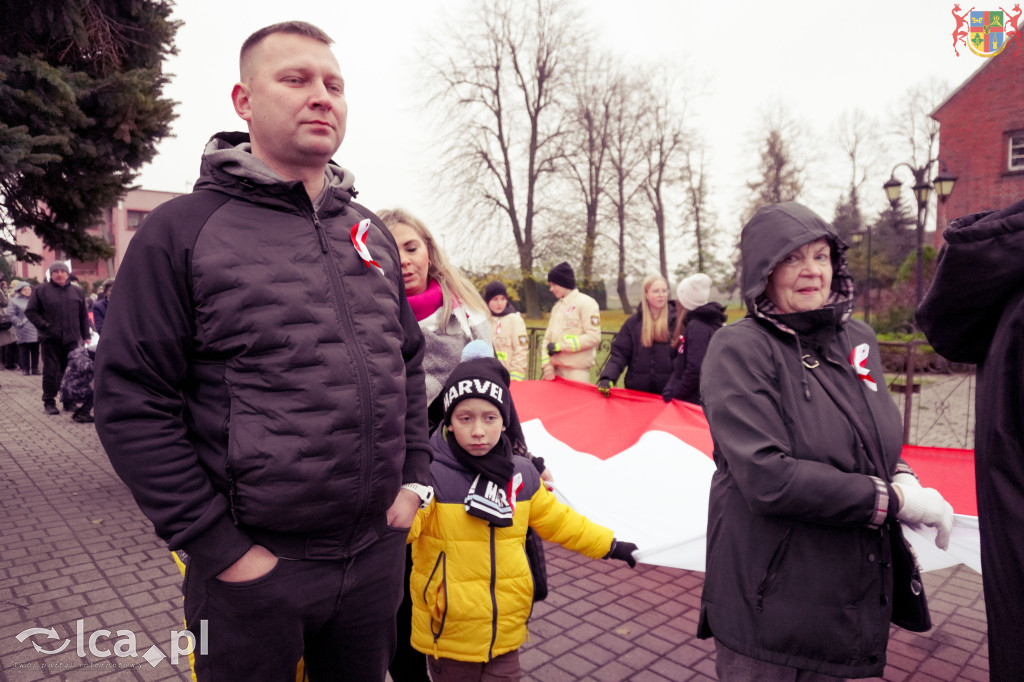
[
  {"x": 605, "y": 387},
  {"x": 926, "y": 506},
  {"x": 623, "y": 551},
  {"x": 554, "y": 349}
]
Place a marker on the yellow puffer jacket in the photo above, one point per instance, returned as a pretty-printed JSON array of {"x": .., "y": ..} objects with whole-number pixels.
[{"x": 472, "y": 591}]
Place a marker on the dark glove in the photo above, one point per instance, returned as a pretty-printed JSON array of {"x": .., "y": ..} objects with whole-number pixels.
[
  {"x": 553, "y": 349},
  {"x": 605, "y": 386},
  {"x": 623, "y": 551}
]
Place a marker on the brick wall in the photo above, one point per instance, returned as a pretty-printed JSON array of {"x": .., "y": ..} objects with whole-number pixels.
[{"x": 974, "y": 122}]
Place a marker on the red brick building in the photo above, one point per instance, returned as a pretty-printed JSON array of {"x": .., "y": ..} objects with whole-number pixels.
[{"x": 981, "y": 138}]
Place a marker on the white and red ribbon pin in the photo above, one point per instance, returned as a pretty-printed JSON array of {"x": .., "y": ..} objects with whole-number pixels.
[
  {"x": 515, "y": 486},
  {"x": 859, "y": 361},
  {"x": 359, "y": 241}
]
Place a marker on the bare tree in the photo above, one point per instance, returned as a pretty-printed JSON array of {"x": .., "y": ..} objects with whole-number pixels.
[
  {"x": 626, "y": 159},
  {"x": 502, "y": 74},
  {"x": 664, "y": 141},
  {"x": 918, "y": 133},
  {"x": 697, "y": 212},
  {"x": 780, "y": 171},
  {"x": 596, "y": 88},
  {"x": 855, "y": 134}
]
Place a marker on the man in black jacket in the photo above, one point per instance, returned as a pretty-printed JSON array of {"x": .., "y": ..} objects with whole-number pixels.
[
  {"x": 259, "y": 385},
  {"x": 973, "y": 313},
  {"x": 57, "y": 309}
]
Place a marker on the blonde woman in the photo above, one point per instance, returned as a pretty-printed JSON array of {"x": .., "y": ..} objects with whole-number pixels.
[
  {"x": 448, "y": 307},
  {"x": 642, "y": 345}
]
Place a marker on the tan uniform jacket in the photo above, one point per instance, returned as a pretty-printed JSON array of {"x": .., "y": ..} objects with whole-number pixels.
[
  {"x": 575, "y": 326},
  {"x": 511, "y": 343}
]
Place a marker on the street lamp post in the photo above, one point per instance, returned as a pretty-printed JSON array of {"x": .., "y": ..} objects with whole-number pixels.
[{"x": 943, "y": 186}]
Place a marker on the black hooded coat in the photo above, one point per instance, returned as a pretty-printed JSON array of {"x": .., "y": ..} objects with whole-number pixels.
[
  {"x": 698, "y": 327},
  {"x": 798, "y": 555},
  {"x": 649, "y": 366},
  {"x": 974, "y": 312}
]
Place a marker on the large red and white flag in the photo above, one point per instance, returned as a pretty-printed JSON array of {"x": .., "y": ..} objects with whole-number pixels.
[{"x": 643, "y": 467}]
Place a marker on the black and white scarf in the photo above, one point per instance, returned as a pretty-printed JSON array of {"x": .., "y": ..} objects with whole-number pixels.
[{"x": 491, "y": 496}]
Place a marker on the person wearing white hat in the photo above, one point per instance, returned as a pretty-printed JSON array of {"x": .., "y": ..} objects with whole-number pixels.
[{"x": 696, "y": 320}]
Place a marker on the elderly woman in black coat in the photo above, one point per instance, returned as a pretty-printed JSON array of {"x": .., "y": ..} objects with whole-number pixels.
[{"x": 809, "y": 486}]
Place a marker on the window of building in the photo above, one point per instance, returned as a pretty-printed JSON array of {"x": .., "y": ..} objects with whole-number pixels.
[
  {"x": 1015, "y": 157},
  {"x": 135, "y": 219}
]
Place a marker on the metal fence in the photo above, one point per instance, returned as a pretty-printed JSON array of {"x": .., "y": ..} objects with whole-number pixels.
[
  {"x": 938, "y": 411},
  {"x": 533, "y": 371}
]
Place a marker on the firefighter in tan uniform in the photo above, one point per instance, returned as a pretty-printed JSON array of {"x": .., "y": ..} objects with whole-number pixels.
[
  {"x": 574, "y": 332},
  {"x": 508, "y": 331}
]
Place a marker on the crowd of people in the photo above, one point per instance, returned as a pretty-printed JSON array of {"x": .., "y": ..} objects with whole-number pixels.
[
  {"x": 51, "y": 329},
  {"x": 323, "y": 392}
]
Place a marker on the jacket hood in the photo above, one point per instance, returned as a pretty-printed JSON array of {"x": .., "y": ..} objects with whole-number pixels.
[
  {"x": 984, "y": 249},
  {"x": 712, "y": 313},
  {"x": 774, "y": 232},
  {"x": 230, "y": 154}
]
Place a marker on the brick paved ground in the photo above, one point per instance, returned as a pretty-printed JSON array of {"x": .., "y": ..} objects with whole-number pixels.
[{"x": 74, "y": 547}]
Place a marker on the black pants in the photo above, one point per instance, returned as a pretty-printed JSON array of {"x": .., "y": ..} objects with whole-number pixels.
[
  {"x": 408, "y": 665},
  {"x": 55, "y": 361},
  {"x": 28, "y": 354},
  {"x": 337, "y": 615},
  {"x": 9, "y": 355}
]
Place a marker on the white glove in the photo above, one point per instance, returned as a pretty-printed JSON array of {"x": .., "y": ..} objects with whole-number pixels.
[
  {"x": 904, "y": 479},
  {"x": 925, "y": 506}
]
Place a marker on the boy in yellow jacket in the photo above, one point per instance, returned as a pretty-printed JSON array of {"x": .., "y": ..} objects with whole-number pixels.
[{"x": 471, "y": 584}]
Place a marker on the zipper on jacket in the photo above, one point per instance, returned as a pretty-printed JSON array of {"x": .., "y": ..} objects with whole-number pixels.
[
  {"x": 232, "y": 495},
  {"x": 358, "y": 358},
  {"x": 442, "y": 562},
  {"x": 494, "y": 599},
  {"x": 319, "y": 233},
  {"x": 772, "y": 570}
]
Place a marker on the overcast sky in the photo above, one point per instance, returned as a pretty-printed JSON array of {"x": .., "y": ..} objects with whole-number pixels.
[{"x": 818, "y": 59}]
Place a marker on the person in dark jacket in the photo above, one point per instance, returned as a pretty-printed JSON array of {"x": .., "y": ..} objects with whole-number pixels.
[
  {"x": 57, "y": 309},
  {"x": 641, "y": 348},
  {"x": 259, "y": 385},
  {"x": 99, "y": 308},
  {"x": 973, "y": 313},
  {"x": 697, "y": 321},
  {"x": 28, "y": 336},
  {"x": 808, "y": 479}
]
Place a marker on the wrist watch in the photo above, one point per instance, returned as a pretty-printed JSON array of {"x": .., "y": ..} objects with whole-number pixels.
[{"x": 424, "y": 492}]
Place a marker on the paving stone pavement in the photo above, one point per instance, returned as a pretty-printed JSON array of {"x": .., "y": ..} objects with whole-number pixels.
[{"x": 74, "y": 549}]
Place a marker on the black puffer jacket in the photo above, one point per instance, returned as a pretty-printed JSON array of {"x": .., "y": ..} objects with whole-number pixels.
[
  {"x": 798, "y": 568},
  {"x": 698, "y": 327},
  {"x": 58, "y": 313},
  {"x": 974, "y": 312},
  {"x": 257, "y": 379},
  {"x": 649, "y": 367}
]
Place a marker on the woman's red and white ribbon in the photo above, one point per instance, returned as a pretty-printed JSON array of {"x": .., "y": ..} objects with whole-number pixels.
[
  {"x": 359, "y": 241},
  {"x": 859, "y": 360}
]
